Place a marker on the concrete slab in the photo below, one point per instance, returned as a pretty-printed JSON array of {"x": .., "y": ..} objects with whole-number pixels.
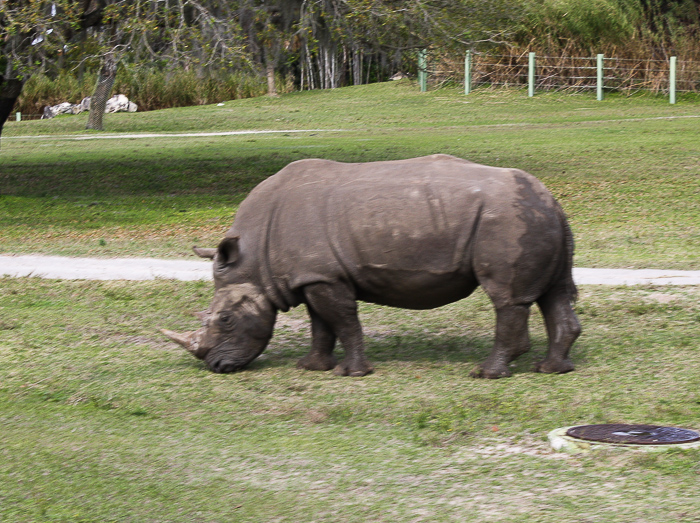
[
  {"x": 635, "y": 277},
  {"x": 66, "y": 268},
  {"x": 59, "y": 267}
]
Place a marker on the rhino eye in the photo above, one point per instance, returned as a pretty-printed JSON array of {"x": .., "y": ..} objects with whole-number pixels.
[{"x": 226, "y": 318}]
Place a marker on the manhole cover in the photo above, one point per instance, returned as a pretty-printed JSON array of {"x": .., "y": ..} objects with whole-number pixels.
[{"x": 633, "y": 434}]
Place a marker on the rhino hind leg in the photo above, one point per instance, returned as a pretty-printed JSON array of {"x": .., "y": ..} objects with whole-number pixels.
[
  {"x": 563, "y": 328},
  {"x": 512, "y": 340},
  {"x": 335, "y": 305},
  {"x": 322, "y": 344}
]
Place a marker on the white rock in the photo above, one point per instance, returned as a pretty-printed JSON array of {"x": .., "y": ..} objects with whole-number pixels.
[
  {"x": 63, "y": 108},
  {"x": 399, "y": 76},
  {"x": 116, "y": 104}
]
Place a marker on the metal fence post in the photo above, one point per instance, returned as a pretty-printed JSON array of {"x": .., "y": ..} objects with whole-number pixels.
[
  {"x": 599, "y": 89},
  {"x": 468, "y": 73},
  {"x": 672, "y": 81},
  {"x": 423, "y": 70},
  {"x": 531, "y": 75}
]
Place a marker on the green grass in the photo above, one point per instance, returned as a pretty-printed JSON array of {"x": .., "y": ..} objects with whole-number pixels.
[
  {"x": 626, "y": 170},
  {"x": 103, "y": 419}
]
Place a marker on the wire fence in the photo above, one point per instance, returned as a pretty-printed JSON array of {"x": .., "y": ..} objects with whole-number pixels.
[
  {"x": 570, "y": 73},
  {"x": 20, "y": 117}
]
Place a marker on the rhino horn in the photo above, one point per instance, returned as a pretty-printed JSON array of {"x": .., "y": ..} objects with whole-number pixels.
[
  {"x": 186, "y": 339},
  {"x": 204, "y": 253}
]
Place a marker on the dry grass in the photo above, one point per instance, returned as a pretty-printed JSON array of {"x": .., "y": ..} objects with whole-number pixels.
[{"x": 105, "y": 420}]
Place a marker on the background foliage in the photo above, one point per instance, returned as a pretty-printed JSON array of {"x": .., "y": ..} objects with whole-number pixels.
[{"x": 311, "y": 43}]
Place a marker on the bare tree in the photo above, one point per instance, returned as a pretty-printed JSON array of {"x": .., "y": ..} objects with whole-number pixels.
[
  {"x": 38, "y": 35},
  {"x": 103, "y": 90}
]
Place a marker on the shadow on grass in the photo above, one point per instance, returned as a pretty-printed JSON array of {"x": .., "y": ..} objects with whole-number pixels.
[
  {"x": 411, "y": 349},
  {"x": 144, "y": 173}
]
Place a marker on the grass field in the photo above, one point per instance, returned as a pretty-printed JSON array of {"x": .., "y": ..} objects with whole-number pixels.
[
  {"x": 104, "y": 420},
  {"x": 626, "y": 170}
]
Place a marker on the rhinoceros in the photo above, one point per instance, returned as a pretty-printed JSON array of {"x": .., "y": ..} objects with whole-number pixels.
[{"x": 416, "y": 234}]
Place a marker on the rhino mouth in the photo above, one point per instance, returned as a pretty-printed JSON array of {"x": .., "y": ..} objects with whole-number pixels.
[
  {"x": 225, "y": 366},
  {"x": 223, "y": 360},
  {"x": 230, "y": 355}
]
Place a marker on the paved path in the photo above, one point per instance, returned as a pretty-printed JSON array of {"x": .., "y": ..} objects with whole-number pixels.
[
  {"x": 63, "y": 268},
  {"x": 57, "y": 267}
]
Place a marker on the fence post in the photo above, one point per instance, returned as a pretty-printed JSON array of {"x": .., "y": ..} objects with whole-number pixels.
[
  {"x": 18, "y": 117},
  {"x": 672, "y": 81},
  {"x": 468, "y": 73},
  {"x": 531, "y": 75},
  {"x": 423, "y": 70},
  {"x": 599, "y": 89}
]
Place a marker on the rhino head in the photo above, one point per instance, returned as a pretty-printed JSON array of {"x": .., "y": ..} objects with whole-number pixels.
[{"x": 236, "y": 328}]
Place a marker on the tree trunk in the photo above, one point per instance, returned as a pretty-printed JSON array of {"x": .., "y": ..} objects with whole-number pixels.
[
  {"x": 9, "y": 92},
  {"x": 356, "y": 66},
  {"x": 311, "y": 74},
  {"x": 271, "y": 87},
  {"x": 98, "y": 102}
]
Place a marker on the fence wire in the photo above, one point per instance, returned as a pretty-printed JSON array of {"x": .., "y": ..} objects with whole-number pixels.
[{"x": 571, "y": 73}]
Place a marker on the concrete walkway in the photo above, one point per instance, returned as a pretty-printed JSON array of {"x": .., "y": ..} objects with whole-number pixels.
[{"x": 57, "y": 267}]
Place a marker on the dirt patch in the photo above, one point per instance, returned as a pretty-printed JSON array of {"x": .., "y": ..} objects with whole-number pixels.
[
  {"x": 660, "y": 297},
  {"x": 294, "y": 325}
]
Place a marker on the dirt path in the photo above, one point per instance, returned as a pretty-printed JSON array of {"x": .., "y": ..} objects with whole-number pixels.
[
  {"x": 57, "y": 267},
  {"x": 134, "y": 136}
]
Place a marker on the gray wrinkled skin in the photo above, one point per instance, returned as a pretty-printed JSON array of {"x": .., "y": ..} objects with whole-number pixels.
[{"x": 415, "y": 234}]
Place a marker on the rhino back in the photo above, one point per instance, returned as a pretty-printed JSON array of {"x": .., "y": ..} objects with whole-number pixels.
[{"x": 402, "y": 232}]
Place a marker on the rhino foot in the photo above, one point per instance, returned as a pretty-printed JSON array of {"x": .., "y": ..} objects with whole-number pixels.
[
  {"x": 490, "y": 372},
  {"x": 353, "y": 369},
  {"x": 317, "y": 362},
  {"x": 555, "y": 366}
]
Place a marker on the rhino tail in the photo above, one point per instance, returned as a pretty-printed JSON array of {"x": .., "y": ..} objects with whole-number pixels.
[{"x": 567, "y": 276}]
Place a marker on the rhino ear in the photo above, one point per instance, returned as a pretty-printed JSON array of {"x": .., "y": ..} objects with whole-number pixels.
[
  {"x": 228, "y": 251},
  {"x": 204, "y": 253},
  {"x": 203, "y": 316}
]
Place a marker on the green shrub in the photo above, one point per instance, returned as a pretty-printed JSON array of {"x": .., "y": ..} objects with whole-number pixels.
[
  {"x": 41, "y": 90},
  {"x": 588, "y": 24},
  {"x": 149, "y": 88}
]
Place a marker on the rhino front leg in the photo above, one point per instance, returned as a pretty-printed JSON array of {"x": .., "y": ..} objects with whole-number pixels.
[
  {"x": 335, "y": 305},
  {"x": 512, "y": 340},
  {"x": 322, "y": 344}
]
